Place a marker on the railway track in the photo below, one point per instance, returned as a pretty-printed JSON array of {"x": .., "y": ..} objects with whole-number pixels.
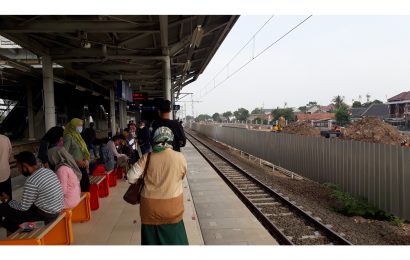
[{"x": 287, "y": 222}]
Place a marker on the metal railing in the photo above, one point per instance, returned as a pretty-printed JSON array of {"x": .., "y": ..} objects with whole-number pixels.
[{"x": 378, "y": 172}]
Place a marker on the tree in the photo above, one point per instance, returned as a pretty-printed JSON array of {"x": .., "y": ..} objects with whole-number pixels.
[
  {"x": 376, "y": 101},
  {"x": 241, "y": 114},
  {"x": 216, "y": 117},
  {"x": 287, "y": 113},
  {"x": 338, "y": 102},
  {"x": 311, "y": 103},
  {"x": 257, "y": 111},
  {"x": 189, "y": 118},
  {"x": 303, "y": 109},
  {"x": 357, "y": 104},
  {"x": 203, "y": 117},
  {"x": 342, "y": 115},
  {"x": 227, "y": 114}
]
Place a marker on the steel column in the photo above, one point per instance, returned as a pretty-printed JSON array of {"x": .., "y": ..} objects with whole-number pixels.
[
  {"x": 30, "y": 113},
  {"x": 48, "y": 87},
  {"x": 112, "y": 111}
]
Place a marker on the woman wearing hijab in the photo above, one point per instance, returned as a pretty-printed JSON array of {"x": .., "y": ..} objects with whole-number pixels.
[
  {"x": 48, "y": 141},
  {"x": 75, "y": 145},
  {"x": 68, "y": 174},
  {"x": 162, "y": 203}
]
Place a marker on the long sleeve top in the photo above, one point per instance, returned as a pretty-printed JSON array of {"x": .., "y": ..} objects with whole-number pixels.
[
  {"x": 111, "y": 146},
  {"x": 70, "y": 185},
  {"x": 162, "y": 196},
  {"x": 73, "y": 148},
  {"x": 43, "y": 189}
]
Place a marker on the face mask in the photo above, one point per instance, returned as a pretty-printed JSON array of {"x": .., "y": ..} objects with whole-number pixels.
[
  {"x": 79, "y": 129},
  {"x": 25, "y": 173}
]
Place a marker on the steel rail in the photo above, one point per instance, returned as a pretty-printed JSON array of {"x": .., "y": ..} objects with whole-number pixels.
[{"x": 272, "y": 228}]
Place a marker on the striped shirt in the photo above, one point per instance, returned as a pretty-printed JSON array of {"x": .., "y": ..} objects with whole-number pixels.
[{"x": 43, "y": 189}]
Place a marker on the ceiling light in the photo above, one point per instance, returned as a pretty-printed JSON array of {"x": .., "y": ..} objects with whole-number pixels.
[
  {"x": 18, "y": 66},
  {"x": 197, "y": 36},
  {"x": 58, "y": 80},
  {"x": 80, "y": 88}
]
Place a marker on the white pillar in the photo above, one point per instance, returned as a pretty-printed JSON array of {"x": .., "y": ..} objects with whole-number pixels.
[
  {"x": 112, "y": 111},
  {"x": 30, "y": 113},
  {"x": 48, "y": 87}
]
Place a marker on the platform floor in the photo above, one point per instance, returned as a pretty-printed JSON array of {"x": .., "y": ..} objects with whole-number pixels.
[
  {"x": 213, "y": 214},
  {"x": 223, "y": 218}
]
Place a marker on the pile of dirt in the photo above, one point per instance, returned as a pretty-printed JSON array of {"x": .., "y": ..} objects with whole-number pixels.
[
  {"x": 301, "y": 128},
  {"x": 374, "y": 130}
]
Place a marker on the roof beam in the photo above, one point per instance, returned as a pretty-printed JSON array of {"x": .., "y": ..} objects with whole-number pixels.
[
  {"x": 70, "y": 26},
  {"x": 124, "y": 77}
]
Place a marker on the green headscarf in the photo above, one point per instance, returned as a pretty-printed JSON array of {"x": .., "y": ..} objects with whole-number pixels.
[
  {"x": 70, "y": 130},
  {"x": 163, "y": 138}
]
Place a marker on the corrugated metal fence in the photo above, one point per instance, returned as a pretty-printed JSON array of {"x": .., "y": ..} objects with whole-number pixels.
[{"x": 378, "y": 172}]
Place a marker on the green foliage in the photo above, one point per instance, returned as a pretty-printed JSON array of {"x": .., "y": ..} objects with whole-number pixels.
[
  {"x": 352, "y": 206},
  {"x": 287, "y": 113},
  {"x": 357, "y": 104},
  {"x": 376, "y": 101},
  {"x": 257, "y": 111},
  {"x": 216, "y": 117},
  {"x": 342, "y": 115},
  {"x": 241, "y": 114},
  {"x": 227, "y": 114},
  {"x": 203, "y": 117},
  {"x": 338, "y": 102},
  {"x": 311, "y": 103},
  {"x": 303, "y": 109},
  {"x": 189, "y": 118}
]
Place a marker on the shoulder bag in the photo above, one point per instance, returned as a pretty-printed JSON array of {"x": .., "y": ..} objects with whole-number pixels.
[{"x": 133, "y": 194}]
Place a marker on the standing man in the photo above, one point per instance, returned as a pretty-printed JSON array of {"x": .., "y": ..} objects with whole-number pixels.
[
  {"x": 5, "y": 155},
  {"x": 144, "y": 138},
  {"x": 42, "y": 199},
  {"x": 174, "y": 125}
]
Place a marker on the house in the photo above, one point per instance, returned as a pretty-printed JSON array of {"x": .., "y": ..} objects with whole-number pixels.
[
  {"x": 317, "y": 120},
  {"x": 399, "y": 108},
  {"x": 374, "y": 110},
  {"x": 320, "y": 109}
]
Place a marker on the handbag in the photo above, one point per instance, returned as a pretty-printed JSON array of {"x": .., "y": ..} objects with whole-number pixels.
[{"x": 133, "y": 194}]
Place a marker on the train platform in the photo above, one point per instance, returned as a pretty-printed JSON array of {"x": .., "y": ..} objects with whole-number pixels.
[
  {"x": 213, "y": 214},
  {"x": 223, "y": 218}
]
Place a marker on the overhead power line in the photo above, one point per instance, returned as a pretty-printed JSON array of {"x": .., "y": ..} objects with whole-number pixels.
[{"x": 253, "y": 56}]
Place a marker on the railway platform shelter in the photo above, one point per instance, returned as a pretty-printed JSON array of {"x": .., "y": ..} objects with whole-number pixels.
[{"x": 54, "y": 68}]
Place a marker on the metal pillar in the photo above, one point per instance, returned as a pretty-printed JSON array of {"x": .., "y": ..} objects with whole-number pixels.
[
  {"x": 112, "y": 111},
  {"x": 167, "y": 78},
  {"x": 48, "y": 87},
  {"x": 30, "y": 113},
  {"x": 123, "y": 116}
]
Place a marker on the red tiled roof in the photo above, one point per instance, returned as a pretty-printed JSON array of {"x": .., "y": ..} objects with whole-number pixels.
[
  {"x": 400, "y": 97},
  {"x": 327, "y": 108},
  {"x": 317, "y": 116}
]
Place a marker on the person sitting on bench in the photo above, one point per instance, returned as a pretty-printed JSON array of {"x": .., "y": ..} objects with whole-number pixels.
[{"x": 42, "y": 198}]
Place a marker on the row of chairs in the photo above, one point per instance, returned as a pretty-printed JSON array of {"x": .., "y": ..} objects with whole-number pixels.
[{"x": 60, "y": 232}]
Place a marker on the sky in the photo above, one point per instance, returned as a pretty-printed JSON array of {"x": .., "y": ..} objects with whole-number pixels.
[{"x": 328, "y": 55}]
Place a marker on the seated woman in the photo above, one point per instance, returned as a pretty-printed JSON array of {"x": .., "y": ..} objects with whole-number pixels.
[{"x": 68, "y": 174}]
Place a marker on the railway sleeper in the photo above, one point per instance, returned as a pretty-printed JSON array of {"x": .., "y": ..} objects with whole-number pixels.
[{"x": 266, "y": 203}]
